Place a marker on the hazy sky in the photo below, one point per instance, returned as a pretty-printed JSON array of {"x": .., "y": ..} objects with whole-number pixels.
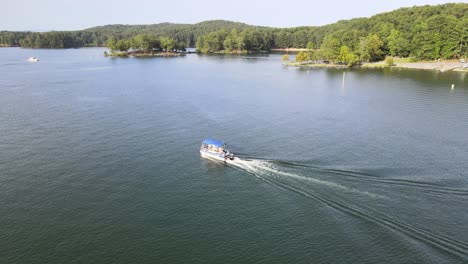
[{"x": 80, "y": 14}]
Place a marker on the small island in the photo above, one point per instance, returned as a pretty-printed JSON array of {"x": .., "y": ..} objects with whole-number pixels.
[
  {"x": 315, "y": 58},
  {"x": 145, "y": 45},
  {"x": 374, "y": 52}
]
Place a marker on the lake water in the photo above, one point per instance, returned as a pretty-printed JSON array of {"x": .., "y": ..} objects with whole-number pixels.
[{"x": 99, "y": 161}]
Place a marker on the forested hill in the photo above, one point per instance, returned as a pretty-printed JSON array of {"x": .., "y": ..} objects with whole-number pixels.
[
  {"x": 185, "y": 33},
  {"x": 98, "y": 36},
  {"x": 425, "y": 32}
]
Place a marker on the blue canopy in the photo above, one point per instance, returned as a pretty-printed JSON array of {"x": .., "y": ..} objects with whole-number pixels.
[{"x": 213, "y": 142}]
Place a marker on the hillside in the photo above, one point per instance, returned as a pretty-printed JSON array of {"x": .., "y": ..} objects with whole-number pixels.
[
  {"x": 185, "y": 33},
  {"x": 426, "y": 32}
]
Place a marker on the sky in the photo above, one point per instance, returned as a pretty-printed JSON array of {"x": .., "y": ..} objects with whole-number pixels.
[{"x": 44, "y": 15}]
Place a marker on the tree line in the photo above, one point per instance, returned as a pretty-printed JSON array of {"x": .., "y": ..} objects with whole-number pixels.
[
  {"x": 424, "y": 32},
  {"x": 252, "y": 39},
  {"x": 369, "y": 48},
  {"x": 98, "y": 36},
  {"x": 145, "y": 43}
]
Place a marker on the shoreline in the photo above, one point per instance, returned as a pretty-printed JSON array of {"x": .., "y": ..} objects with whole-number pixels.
[
  {"x": 143, "y": 55},
  {"x": 435, "y": 66},
  {"x": 290, "y": 49},
  {"x": 442, "y": 66}
]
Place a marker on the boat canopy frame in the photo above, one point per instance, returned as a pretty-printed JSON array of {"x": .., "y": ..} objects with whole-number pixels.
[{"x": 214, "y": 142}]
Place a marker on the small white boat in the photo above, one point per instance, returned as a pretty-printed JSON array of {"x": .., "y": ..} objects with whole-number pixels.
[
  {"x": 33, "y": 59},
  {"x": 216, "y": 150}
]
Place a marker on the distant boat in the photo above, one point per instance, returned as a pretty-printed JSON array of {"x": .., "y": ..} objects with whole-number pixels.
[
  {"x": 215, "y": 149},
  {"x": 33, "y": 59}
]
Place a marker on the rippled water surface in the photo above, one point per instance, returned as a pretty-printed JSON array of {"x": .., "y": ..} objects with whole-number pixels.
[{"x": 99, "y": 161}]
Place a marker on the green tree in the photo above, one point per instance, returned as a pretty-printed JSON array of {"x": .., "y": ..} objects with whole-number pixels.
[
  {"x": 232, "y": 41},
  {"x": 300, "y": 38},
  {"x": 283, "y": 39},
  {"x": 302, "y": 56},
  {"x": 370, "y": 48},
  {"x": 123, "y": 45},
  {"x": 462, "y": 30},
  {"x": 240, "y": 42},
  {"x": 397, "y": 44},
  {"x": 331, "y": 47},
  {"x": 445, "y": 29},
  {"x": 363, "y": 49},
  {"x": 374, "y": 45},
  {"x": 254, "y": 40},
  {"x": 167, "y": 43},
  {"x": 110, "y": 43},
  {"x": 346, "y": 56},
  {"x": 349, "y": 38},
  {"x": 422, "y": 45},
  {"x": 344, "y": 52},
  {"x": 212, "y": 42},
  {"x": 316, "y": 55},
  {"x": 389, "y": 61},
  {"x": 200, "y": 45},
  {"x": 141, "y": 42}
]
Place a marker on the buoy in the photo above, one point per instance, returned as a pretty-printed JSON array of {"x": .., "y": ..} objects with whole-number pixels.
[{"x": 344, "y": 75}]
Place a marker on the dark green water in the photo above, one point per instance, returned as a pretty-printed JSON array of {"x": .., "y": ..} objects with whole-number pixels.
[{"x": 99, "y": 161}]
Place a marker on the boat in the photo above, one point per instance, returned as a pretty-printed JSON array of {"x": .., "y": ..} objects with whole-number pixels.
[
  {"x": 33, "y": 59},
  {"x": 216, "y": 150}
]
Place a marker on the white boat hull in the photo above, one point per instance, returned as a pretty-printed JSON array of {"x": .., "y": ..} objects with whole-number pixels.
[{"x": 212, "y": 156}]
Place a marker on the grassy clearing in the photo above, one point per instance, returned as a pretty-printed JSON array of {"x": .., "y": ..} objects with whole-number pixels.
[
  {"x": 380, "y": 64},
  {"x": 313, "y": 65},
  {"x": 403, "y": 60}
]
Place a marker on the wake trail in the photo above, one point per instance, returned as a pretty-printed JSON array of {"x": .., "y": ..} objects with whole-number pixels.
[
  {"x": 369, "y": 178},
  {"x": 425, "y": 186},
  {"x": 266, "y": 168},
  {"x": 267, "y": 171}
]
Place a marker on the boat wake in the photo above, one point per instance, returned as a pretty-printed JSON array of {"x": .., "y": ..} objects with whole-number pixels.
[
  {"x": 264, "y": 169},
  {"x": 364, "y": 196}
]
